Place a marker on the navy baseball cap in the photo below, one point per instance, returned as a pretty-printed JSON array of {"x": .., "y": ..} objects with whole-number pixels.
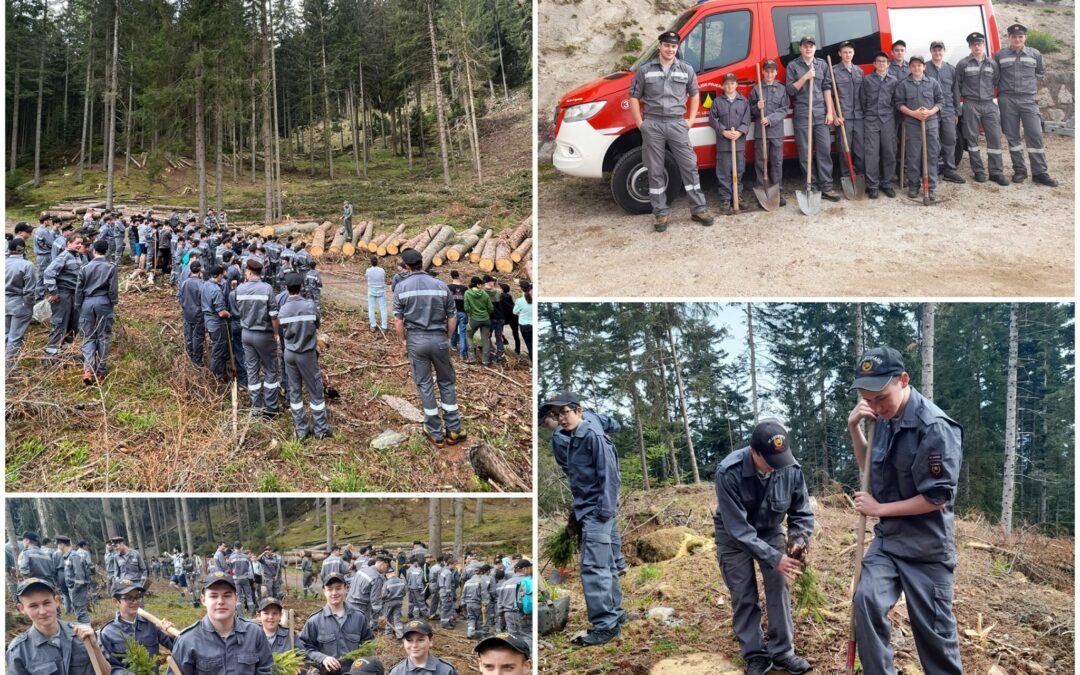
[
  {"x": 515, "y": 642},
  {"x": 877, "y": 367},
  {"x": 33, "y": 583},
  {"x": 332, "y": 578},
  {"x": 770, "y": 440},
  {"x": 560, "y": 399},
  {"x": 411, "y": 256},
  {"x": 368, "y": 665},
  {"x": 975, "y": 37},
  {"x": 218, "y": 578},
  {"x": 125, "y": 586},
  {"x": 670, "y": 37},
  {"x": 417, "y": 626}
]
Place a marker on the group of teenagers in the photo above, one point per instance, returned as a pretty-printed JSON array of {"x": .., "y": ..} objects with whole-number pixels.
[
  {"x": 914, "y": 100},
  {"x": 764, "y": 518},
  {"x": 363, "y": 591}
]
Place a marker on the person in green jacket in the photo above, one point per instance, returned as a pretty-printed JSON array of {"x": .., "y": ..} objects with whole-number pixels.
[{"x": 478, "y": 306}]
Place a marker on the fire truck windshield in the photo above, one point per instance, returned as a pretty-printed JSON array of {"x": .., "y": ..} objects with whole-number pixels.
[{"x": 650, "y": 52}]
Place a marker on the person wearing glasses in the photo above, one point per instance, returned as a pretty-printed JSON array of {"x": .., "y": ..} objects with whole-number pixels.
[
  {"x": 127, "y": 596},
  {"x": 592, "y": 467},
  {"x": 60, "y": 278}
]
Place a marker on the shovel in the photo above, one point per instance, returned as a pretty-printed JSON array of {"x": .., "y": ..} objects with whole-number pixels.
[
  {"x": 735, "y": 177},
  {"x": 769, "y": 196},
  {"x": 809, "y": 200},
  {"x": 903, "y": 146},
  {"x": 860, "y": 535},
  {"x": 854, "y": 186},
  {"x": 925, "y": 173}
]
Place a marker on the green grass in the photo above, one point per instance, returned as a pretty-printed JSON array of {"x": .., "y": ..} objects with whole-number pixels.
[
  {"x": 348, "y": 479},
  {"x": 75, "y": 454},
  {"x": 650, "y": 572},
  {"x": 136, "y": 422},
  {"x": 271, "y": 482},
  {"x": 1043, "y": 41},
  {"x": 664, "y": 646}
]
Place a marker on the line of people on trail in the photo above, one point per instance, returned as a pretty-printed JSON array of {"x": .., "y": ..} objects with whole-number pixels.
[
  {"x": 895, "y": 101},
  {"x": 363, "y": 592},
  {"x": 914, "y": 468}
]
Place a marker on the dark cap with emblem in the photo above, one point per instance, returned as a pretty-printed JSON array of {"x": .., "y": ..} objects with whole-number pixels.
[
  {"x": 517, "y": 643},
  {"x": 125, "y": 586},
  {"x": 876, "y": 367},
  {"x": 937, "y": 44},
  {"x": 770, "y": 440},
  {"x": 33, "y": 584},
  {"x": 218, "y": 578},
  {"x": 808, "y": 38},
  {"x": 31, "y": 535},
  {"x": 899, "y": 43},
  {"x": 731, "y": 77},
  {"x": 560, "y": 399},
  {"x": 975, "y": 37},
  {"x": 269, "y": 602},
  {"x": 915, "y": 58},
  {"x": 411, "y": 256},
  {"x": 769, "y": 63},
  {"x": 670, "y": 37},
  {"x": 522, "y": 564},
  {"x": 1016, "y": 29},
  {"x": 369, "y": 665},
  {"x": 416, "y": 626},
  {"x": 333, "y": 578}
]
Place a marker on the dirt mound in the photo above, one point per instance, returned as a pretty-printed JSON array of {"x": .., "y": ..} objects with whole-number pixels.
[
  {"x": 696, "y": 664},
  {"x": 669, "y": 543}
]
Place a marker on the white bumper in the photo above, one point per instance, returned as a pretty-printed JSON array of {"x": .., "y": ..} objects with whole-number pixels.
[{"x": 580, "y": 149}]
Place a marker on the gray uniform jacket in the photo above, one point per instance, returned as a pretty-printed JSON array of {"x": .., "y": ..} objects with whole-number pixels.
[
  {"x": 19, "y": 285},
  {"x": 876, "y": 95},
  {"x": 332, "y": 564},
  {"x": 848, "y": 83},
  {"x": 299, "y": 322},
  {"x": 915, "y": 94},
  {"x": 132, "y": 566},
  {"x": 191, "y": 299},
  {"x": 899, "y": 71},
  {"x": 946, "y": 77},
  {"x": 433, "y": 576},
  {"x": 414, "y": 577},
  {"x": 97, "y": 277},
  {"x": 257, "y": 304},
  {"x": 241, "y": 566},
  {"x": 43, "y": 240},
  {"x": 1020, "y": 71},
  {"x": 366, "y": 588},
  {"x": 593, "y": 471},
  {"x": 424, "y": 302},
  {"x": 446, "y": 580},
  {"x": 302, "y": 261},
  {"x": 822, "y": 84},
  {"x": 918, "y": 454},
  {"x": 213, "y": 301},
  {"x": 220, "y": 562},
  {"x": 748, "y": 509},
  {"x": 977, "y": 80},
  {"x": 434, "y": 666},
  {"x": 279, "y": 642},
  {"x": 200, "y": 650},
  {"x": 111, "y": 637},
  {"x": 59, "y": 245},
  {"x": 271, "y": 566},
  {"x": 663, "y": 93},
  {"x": 34, "y": 562},
  {"x": 324, "y": 635},
  {"x": 77, "y": 570},
  {"x": 728, "y": 113},
  {"x": 393, "y": 591},
  {"x": 472, "y": 591},
  {"x": 777, "y": 105},
  {"x": 560, "y": 440},
  {"x": 31, "y": 653},
  {"x": 62, "y": 274}
]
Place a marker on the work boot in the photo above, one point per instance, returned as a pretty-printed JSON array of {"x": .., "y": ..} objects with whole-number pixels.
[
  {"x": 1044, "y": 179},
  {"x": 794, "y": 665},
  {"x": 783, "y": 202},
  {"x": 437, "y": 442},
  {"x": 758, "y": 665},
  {"x": 831, "y": 196},
  {"x": 953, "y": 177},
  {"x": 704, "y": 217},
  {"x": 1000, "y": 180},
  {"x": 455, "y": 437},
  {"x": 661, "y": 222},
  {"x": 889, "y": 192},
  {"x": 912, "y": 193},
  {"x": 933, "y": 197},
  {"x": 1019, "y": 176},
  {"x": 980, "y": 178},
  {"x": 744, "y": 204},
  {"x": 725, "y": 208},
  {"x": 599, "y": 637},
  {"x": 871, "y": 193}
]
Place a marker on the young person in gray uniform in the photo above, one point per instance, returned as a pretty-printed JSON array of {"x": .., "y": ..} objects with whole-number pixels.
[
  {"x": 424, "y": 319},
  {"x": 593, "y": 472},
  {"x": 757, "y": 487},
  {"x": 130, "y": 564},
  {"x": 272, "y": 565},
  {"x": 34, "y": 562},
  {"x": 729, "y": 117},
  {"x": 126, "y": 597},
  {"x": 658, "y": 100},
  {"x": 414, "y": 579},
  {"x": 770, "y": 112},
  {"x": 20, "y": 286},
  {"x": 1021, "y": 68},
  {"x": 43, "y": 241},
  {"x": 244, "y": 578},
  {"x": 879, "y": 128},
  {"x": 417, "y": 642},
  {"x": 365, "y": 590},
  {"x": 332, "y": 564},
  {"x": 976, "y": 80},
  {"x": 96, "y": 296},
  {"x": 299, "y": 322},
  {"x": 447, "y": 589},
  {"x": 472, "y": 597},
  {"x": 915, "y": 464},
  {"x": 334, "y": 630},
  {"x": 308, "y": 572},
  {"x": 919, "y": 99},
  {"x": 393, "y": 596},
  {"x": 433, "y": 586},
  {"x": 799, "y": 73},
  {"x": 79, "y": 577},
  {"x": 270, "y": 619},
  {"x": 61, "y": 277},
  {"x": 945, "y": 73},
  {"x": 259, "y": 318},
  {"x": 847, "y": 79},
  {"x": 49, "y": 645},
  {"x": 221, "y": 641},
  {"x": 191, "y": 309},
  {"x": 215, "y": 314},
  {"x": 313, "y": 286}
]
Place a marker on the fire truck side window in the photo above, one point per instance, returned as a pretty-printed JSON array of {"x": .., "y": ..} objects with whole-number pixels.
[
  {"x": 726, "y": 40},
  {"x": 830, "y": 25}
]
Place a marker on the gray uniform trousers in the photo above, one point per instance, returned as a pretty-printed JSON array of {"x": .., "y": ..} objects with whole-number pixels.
[
  {"x": 776, "y": 156},
  {"x": 446, "y": 606},
  {"x": 723, "y": 166},
  {"x": 392, "y": 615},
  {"x": 43, "y": 260},
  {"x": 1017, "y": 109},
  {"x": 260, "y": 350},
  {"x": 433, "y": 599},
  {"x": 417, "y": 606},
  {"x": 513, "y": 622},
  {"x": 673, "y": 133},
  {"x": 983, "y": 113},
  {"x": 599, "y": 574},
  {"x": 308, "y": 578},
  {"x": 64, "y": 322},
  {"x": 95, "y": 328},
  {"x": 194, "y": 338},
  {"x": 428, "y": 350},
  {"x": 821, "y": 178},
  {"x": 856, "y": 137},
  {"x": 474, "y": 618},
  {"x": 879, "y": 153},
  {"x": 947, "y": 138},
  {"x": 15, "y": 326},
  {"x": 928, "y": 588},
  {"x": 245, "y": 596},
  {"x": 80, "y": 603},
  {"x": 737, "y": 569},
  {"x": 913, "y": 152},
  {"x": 303, "y": 367}
]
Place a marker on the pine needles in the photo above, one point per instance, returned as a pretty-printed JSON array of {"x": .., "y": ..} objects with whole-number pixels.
[
  {"x": 288, "y": 663},
  {"x": 365, "y": 649},
  {"x": 809, "y": 600},
  {"x": 136, "y": 659},
  {"x": 560, "y": 548}
]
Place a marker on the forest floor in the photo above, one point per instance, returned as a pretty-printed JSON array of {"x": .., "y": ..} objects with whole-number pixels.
[
  {"x": 1013, "y": 598},
  {"x": 160, "y": 424}
]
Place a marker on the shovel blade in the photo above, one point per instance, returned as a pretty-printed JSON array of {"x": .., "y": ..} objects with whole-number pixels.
[
  {"x": 848, "y": 187},
  {"x": 860, "y": 187},
  {"x": 809, "y": 201},
  {"x": 769, "y": 197}
]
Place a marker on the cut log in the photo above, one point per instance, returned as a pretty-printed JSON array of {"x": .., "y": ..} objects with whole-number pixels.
[
  {"x": 438, "y": 242},
  {"x": 468, "y": 239},
  {"x": 380, "y": 245},
  {"x": 474, "y": 254},
  {"x": 338, "y": 242},
  {"x": 503, "y": 263},
  {"x": 368, "y": 233},
  {"x": 440, "y": 257},
  {"x": 490, "y": 465},
  {"x": 318, "y": 239},
  {"x": 520, "y": 233},
  {"x": 420, "y": 241},
  {"x": 519, "y": 253},
  {"x": 487, "y": 255},
  {"x": 347, "y": 249},
  {"x": 395, "y": 245},
  {"x": 526, "y": 266}
]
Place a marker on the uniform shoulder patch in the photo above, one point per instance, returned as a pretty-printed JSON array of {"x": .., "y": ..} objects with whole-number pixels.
[{"x": 935, "y": 464}]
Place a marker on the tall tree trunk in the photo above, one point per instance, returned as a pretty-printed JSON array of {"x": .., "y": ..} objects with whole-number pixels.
[
  {"x": 435, "y": 525},
  {"x": 208, "y": 521},
  {"x": 355, "y": 131},
  {"x": 277, "y": 132},
  {"x": 478, "y": 515},
  {"x": 860, "y": 347},
  {"x": 151, "y": 506},
  {"x": 267, "y": 94},
  {"x": 682, "y": 404},
  {"x": 363, "y": 116},
  {"x": 253, "y": 134},
  {"x": 133, "y": 506},
  {"x": 408, "y": 132},
  {"x": 127, "y": 520},
  {"x": 326, "y": 100},
  {"x": 672, "y": 457},
  {"x": 189, "y": 548},
  {"x": 110, "y": 135},
  {"x": 44, "y": 528},
  {"x": 110, "y": 522},
  {"x": 1008, "y": 488},
  {"x": 420, "y": 116},
  {"x": 262, "y": 511},
  {"x": 200, "y": 140},
  {"x": 64, "y": 115},
  {"x": 280, "y": 516},
  {"x": 84, "y": 149},
  {"x": 470, "y": 107},
  {"x": 929, "y": 309},
  {"x": 219, "y": 132},
  {"x": 41, "y": 93},
  {"x": 498, "y": 45},
  {"x": 439, "y": 113},
  {"x": 130, "y": 110},
  {"x": 753, "y": 358},
  {"x": 632, "y": 384},
  {"x": 329, "y": 524},
  {"x": 15, "y": 106},
  {"x": 12, "y": 533},
  {"x": 459, "y": 528}
]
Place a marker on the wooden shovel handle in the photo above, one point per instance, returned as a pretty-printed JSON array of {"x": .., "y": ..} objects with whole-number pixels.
[
  {"x": 764, "y": 134},
  {"x": 95, "y": 652},
  {"x": 860, "y": 527},
  {"x": 172, "y": 632}
]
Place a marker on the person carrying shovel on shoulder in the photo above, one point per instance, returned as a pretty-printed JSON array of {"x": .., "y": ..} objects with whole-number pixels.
[
  {"x": 768, "y": 108},
  {"x": 919, "y": 99},
  {"x": 729, "y": 117}
]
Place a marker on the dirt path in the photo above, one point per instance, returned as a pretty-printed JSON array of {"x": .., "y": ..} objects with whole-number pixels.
[{"x": 980, "y": 240}]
